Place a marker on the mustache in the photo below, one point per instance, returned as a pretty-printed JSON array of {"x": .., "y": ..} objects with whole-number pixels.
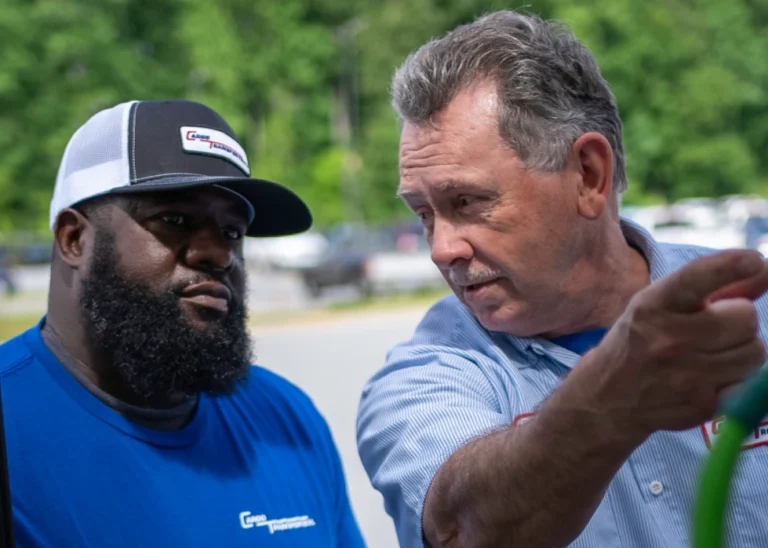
[{"x": 463, "y": 277}]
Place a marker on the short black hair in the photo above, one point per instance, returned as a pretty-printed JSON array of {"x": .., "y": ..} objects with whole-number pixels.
[
  {"x": 93, "y": 209},
  {"x": 92, "y": 206}
]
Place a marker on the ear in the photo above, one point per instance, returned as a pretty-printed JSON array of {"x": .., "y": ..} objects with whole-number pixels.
[
  {"x": 72, "y": 236},
  {"x": 593, "y": 156}
]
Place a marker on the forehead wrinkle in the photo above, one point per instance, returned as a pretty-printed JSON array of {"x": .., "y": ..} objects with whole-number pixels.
[
  {"x": 431, "y": 156},
  {"x": 421, "y": 149},
  {"x": 425, "y": 162}
]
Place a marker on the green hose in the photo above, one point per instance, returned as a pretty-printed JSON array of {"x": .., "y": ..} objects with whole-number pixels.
[
  {"x": 709, "y": 519},
  {"x": 743, "y": 414}
]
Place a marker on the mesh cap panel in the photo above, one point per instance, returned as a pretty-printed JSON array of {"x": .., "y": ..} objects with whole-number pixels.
[{"x": 95, "y": 160}]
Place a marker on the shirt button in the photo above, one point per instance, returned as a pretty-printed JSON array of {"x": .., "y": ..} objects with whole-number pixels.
[
  {"x": 539, "y": 351},
  {"x": 656, "y": 488}
]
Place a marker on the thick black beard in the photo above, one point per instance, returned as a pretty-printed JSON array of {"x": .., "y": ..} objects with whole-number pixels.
[{"x": 156, "y": 351}]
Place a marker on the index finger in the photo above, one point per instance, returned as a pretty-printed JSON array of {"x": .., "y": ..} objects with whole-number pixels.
[
  {"x": 752, "y": 288},
  {"x": 688, "y": 289}
]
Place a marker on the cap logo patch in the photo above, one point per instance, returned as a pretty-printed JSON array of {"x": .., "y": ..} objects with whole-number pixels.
[{"x": 201, "y": 140}]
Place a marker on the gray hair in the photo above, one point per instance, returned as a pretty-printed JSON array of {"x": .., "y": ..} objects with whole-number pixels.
[{"x": 550, "y": 88}]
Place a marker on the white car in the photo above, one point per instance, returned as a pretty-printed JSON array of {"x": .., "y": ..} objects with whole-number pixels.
[{"x": 286, "y": 252}]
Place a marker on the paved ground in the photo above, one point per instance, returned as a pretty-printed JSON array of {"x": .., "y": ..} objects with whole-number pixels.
[{"x": 331, "y": 361}]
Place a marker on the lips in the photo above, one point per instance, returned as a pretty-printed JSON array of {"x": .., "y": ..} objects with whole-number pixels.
[
  {"x": 478, "y": 291},
  {"x": 478, "y": 285},
  {"x": 210, "y": 295}
]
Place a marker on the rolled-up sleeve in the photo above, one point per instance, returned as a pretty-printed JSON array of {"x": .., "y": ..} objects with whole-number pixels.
[{"x": 416, "y": 412}]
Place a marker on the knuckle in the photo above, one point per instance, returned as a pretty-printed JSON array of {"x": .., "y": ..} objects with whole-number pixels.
[
  {"x": 720, "y": 270},
  {"x": 741, "y": 314},
  {"x": 635, "y": 302},
  {"x": 651, "y": 337},
  {"x": 666, "y": 346},
  {"x": 638, "y": 332},
  {"x": 640, "y": 309},
  {"x": 751, "y": 318}
]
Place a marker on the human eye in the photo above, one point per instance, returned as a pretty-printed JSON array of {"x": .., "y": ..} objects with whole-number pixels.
[
  {"x": 175, "y": 219},
  {"x": 425, "y": 215},
  {"x": 233, "y": 233},
  {"x": 466, "y": 200}
]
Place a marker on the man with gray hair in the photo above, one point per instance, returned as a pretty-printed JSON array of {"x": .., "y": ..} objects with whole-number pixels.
[{"x": 568, "y": 393}]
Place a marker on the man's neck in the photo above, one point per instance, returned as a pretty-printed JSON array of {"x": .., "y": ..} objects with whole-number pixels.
[
  {"x": 621, "y": 285},
  {"x": 609, "y": 277},
  {"x": 70, "y": 338},
  {"x": 95, "y": 367}
]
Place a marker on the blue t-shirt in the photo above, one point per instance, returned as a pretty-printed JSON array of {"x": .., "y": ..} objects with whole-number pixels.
[
  {"x": 582, "y": 342},
  {"x": 256, "y": 468}
]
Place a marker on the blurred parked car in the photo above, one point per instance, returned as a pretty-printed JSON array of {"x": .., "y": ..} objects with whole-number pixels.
[
  {"x": 756, "y": 234},
  {"x": 739, "y": 209},
  {"x": 647, "y": 216},
  {"x": 343, "y": 262},
  {"x": 374, "y": 260},
  {"x": 6, "y": 279},
  {"x": 34, "y": 254},
  {"x": 286, "y": 252},
  {"x": 720, "y": 236}
]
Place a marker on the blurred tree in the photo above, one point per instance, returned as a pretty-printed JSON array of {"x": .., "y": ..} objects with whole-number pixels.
[
  {"x": 305, "y": 84},
  {"x": 273, "y": 71},
  {"x": 692, "y": 87},
  {"x": 62, "y": 61}
]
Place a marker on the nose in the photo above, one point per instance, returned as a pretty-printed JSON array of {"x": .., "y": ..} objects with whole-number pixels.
[
  {"x": 448, "y": 245},
  {"x": 209, "y": 251}
]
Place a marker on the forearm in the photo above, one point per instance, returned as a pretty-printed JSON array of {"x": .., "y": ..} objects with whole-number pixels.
[{"x": 532, "y": 485}]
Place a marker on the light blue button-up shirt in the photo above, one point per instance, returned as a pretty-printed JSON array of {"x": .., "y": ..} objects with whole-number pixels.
[{"x": 455, "y": 381}]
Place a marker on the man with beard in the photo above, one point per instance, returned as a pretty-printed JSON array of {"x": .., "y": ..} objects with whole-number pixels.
[
  {"x": 133, "y": 414},
  {"x": 566, "y": 394}
]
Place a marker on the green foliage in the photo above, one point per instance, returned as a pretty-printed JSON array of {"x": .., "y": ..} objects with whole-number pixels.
[
  {"x": 305, "y": 85},
  {"x": 692, "y": 87}
]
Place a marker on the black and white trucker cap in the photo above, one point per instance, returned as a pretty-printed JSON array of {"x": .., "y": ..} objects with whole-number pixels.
[{"x": 150, "y": 146}]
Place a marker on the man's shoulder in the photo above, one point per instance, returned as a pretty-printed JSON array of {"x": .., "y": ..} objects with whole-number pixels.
[
  {"x": 269, "y": 394},
  {"x": 447, "y": 322},
  {"x": 685, "y": 253},
  {"x": 675, "y": 256},
  {"x": 450, "y": 332},
  {"x": 261, "y": 380},
  {"x": 15, "y": 353}
]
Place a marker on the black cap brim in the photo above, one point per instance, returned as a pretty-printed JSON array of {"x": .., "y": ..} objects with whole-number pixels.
[{"x": 277, "y": 210}]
